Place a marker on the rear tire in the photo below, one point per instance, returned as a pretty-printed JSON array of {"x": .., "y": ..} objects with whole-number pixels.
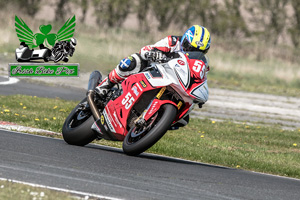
[
  {"x": 77, "y": 130},
  {"x": 133, "y": 146}
]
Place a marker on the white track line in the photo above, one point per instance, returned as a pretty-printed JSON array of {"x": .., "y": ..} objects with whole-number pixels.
[
  {"x": 10, "y": 81},
  {"x": 61, "y": 190},
  {"x": 15, "y": 127}
]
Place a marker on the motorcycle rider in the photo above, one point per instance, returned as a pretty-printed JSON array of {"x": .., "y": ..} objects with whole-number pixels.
[
  {"x": 63, "y": 49},
  {"x": 196, "y": 38}
]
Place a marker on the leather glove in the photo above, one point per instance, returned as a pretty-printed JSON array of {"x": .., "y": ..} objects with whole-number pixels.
[{"x": 155, "y": 55}]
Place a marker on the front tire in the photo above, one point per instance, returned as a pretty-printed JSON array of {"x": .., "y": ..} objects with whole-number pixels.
[
  {"x": 134, "y": 143},
  {"x": 77, "y": 127}
]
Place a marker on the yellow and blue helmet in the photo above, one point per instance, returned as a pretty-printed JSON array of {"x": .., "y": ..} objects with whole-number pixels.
[{"x": 196, "y": 38}]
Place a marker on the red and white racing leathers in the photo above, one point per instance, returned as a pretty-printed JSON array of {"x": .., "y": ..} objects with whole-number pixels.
[
  {"x": 135, "y": 63},
  {"x": 167, "y": 45}
]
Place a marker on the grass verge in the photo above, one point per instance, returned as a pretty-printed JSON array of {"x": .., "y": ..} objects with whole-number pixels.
[
  {"x": 258, "y": 148},
  {"x": 10, "y": 190},
  {"x": 35, "y": 112}
]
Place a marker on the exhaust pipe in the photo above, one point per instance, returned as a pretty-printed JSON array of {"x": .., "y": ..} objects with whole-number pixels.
[
  {"x": 103, "y": 133},
  {"x": 93, "y": 107},
  {"x": 94, "y": 80}
]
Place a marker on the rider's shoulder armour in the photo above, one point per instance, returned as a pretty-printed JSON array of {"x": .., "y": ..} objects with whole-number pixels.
[{"x": 172, "y": 40}]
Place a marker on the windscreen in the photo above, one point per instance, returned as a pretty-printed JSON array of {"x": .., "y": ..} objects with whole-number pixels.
[{"x": 195, "y": 55}]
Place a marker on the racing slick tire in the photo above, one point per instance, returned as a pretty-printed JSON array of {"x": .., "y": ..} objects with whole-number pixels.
[
  {"x": 135, "y": 143},
  {"x": 77, "y": 127}
]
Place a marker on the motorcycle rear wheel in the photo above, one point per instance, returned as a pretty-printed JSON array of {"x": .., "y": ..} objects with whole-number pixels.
[
  {"x": 138, "y": 141},
  {"x": 77, "y": 127}
]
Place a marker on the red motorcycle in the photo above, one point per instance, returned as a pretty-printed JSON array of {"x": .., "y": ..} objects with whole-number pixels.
[{"x": 147, "y": 105}]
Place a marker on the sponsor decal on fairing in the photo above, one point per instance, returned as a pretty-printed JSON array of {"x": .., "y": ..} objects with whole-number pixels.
[
  {"x": 181, "y": 62},
  {"x": 147, "y": 75},
  {"x": 143, "y": 84},
  {"x": 135, "y": 90},
  {"x": 116, "y": 119},
  {"x": 108, "y": 122}
]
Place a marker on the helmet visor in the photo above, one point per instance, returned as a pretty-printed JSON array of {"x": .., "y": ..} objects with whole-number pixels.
[{"x": 186, "y": 46}]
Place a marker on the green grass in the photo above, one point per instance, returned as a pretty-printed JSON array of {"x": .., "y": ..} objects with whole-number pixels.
[
  {"x": 256, "y": 147},
  {"x": 230, "y": 70},
  {"x": 12, "y": 191},
  {"x": 36, "y": 112},
  {"x": 253, "y": 83}
]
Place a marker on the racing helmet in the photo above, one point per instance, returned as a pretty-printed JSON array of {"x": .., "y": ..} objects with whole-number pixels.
[
  {"x": 196, "y": 38},
  {"x": 73, "y": 42}
]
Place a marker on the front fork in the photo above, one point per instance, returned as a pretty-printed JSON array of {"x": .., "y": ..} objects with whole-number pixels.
[{"x": 141, "y": 121}]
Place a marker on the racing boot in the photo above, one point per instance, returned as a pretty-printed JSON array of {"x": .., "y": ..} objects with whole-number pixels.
[
  {"x": 112, "y": 79},
  {"x": 128, "y": 66}
]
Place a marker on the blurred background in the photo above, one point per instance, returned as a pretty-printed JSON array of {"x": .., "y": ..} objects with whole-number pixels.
[{"x": 255, "y": 44}]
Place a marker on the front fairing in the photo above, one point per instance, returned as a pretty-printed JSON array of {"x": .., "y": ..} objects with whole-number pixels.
[{"x": 177, "y": 74}]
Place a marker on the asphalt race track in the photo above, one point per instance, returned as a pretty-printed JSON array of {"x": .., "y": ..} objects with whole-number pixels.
[
  {"x": 41, "y": 90},
  {"x": 107, "y": 171}
]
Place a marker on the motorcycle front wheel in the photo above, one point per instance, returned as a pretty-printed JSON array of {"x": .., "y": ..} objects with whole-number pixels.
[
  {"x": 139, "y": 139},
  {"x": 77, "y": 127}
]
